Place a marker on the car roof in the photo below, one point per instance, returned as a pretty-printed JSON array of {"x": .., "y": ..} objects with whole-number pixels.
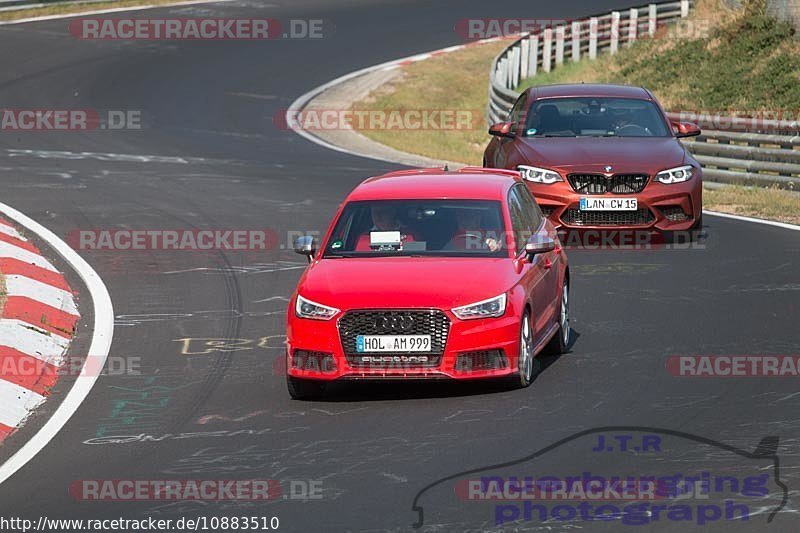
[
  {"x": 590, "y": 89},
  {"x": 468, "y": 183}
]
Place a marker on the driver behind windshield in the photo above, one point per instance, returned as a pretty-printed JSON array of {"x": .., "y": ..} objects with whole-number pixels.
[{"x": 471, "y": 233}]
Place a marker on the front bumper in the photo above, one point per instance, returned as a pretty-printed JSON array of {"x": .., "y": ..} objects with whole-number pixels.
[
  {"x": 675, "y": 207},
  {"x": 465, "y": 340}
]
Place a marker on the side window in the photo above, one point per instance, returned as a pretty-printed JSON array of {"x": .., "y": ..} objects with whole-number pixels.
[
  {"x": 518, "y": 112},
  {"x": 519, "y": 223},
  {"x": 530, "y": 206}
]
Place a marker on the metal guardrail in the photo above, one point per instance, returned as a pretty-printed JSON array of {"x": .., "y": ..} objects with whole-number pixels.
[{"x": 735, "y": 157}]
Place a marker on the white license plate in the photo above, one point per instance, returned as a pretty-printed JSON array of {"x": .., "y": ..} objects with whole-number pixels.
[
  {"x": 393, "y": 343},
  {"x": 609, "y": 204}
]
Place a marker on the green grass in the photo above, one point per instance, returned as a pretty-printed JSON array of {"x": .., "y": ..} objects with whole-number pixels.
[
  {"x": 76, "y": 8},
  {"x": 744, "y": 64},
  {"x": 455, "y": 81},
  {"x": 767, "y": 203}
]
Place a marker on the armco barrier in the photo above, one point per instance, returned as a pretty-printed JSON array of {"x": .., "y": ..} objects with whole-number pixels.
[{"x": 739, "y": 157}]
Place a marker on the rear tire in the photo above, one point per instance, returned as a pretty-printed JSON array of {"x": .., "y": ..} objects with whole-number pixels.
[
  {"x": 304, "y": 389},
  {"x": 560, "y": 341}
]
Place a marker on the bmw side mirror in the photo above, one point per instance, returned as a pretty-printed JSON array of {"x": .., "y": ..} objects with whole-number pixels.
[
  {"x": 539, "y": 244},
  {"x": 306, "y": 246},
  {"x": 686, "y": 129},
  {"x": 502, "y": 129}
]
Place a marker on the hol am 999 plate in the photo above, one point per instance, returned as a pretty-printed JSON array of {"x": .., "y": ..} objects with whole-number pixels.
[{"x": 393, "y": 343}]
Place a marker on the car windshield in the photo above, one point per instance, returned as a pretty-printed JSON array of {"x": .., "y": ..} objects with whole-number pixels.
[
  {"x": 594, "y": 117},
  {"x": 429, "y": 228}
]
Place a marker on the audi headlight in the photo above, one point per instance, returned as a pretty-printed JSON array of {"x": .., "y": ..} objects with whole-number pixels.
[
  {"x": 539, "y": 175},
  {"x": 307, "y": 309},
  {"x": 675, "y": 175},
  {"x": 491, "y": 308}
]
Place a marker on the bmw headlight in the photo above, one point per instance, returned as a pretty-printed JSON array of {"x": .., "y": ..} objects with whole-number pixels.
[
  {"x": 307, "y": 309},
  {"x": 539, "y": 175},
  {"x": 675, "y": 175},
  {"x": 491, "y": 308}
]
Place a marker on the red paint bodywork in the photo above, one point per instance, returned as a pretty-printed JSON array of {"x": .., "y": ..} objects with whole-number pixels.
[
  {"x": 390, "y": 283},
  {"x": 628, "y": 155}
]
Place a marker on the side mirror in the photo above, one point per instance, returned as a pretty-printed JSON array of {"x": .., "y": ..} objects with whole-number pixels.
[
  {"x": 539, "y": 244},
  {"x": 306, "y": 246},
  {"x": 502, "y": 129},
  {"x": 686, "y": 129}
]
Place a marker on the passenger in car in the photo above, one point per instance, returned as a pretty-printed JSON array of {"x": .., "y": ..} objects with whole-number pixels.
[{"x": 471, "y": 233}]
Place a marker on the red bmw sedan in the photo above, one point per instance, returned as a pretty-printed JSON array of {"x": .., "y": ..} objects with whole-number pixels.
[
  {"x": 428, "y": 274},
  {"x": 601, "y": 157}
]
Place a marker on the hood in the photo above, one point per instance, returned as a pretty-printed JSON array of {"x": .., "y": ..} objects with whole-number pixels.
[
  {"x": 591, "y": 154},
  {"x": 406, "y": 282}
]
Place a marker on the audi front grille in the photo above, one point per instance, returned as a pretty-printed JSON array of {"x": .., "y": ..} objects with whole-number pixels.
[
  {"x": 394, "y": 322},
  {"x": 602, "y": 184}
]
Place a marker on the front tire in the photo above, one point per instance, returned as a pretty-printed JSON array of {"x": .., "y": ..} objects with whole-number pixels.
[
  {"x": 560, "y": 341},
  {"x": 527, "y": 364},
  {"x": 304, "y": 389}
]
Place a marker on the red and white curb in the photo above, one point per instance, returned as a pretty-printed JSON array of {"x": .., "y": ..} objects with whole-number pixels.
[
  {"x": 36, "y": 327},
  {"x": 20, "y": 259}
]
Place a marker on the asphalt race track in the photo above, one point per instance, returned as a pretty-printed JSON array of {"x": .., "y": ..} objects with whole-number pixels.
[{"x": 207, "y": 328}]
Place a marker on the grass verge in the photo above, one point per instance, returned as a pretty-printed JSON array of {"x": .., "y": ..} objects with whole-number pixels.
[
  {"x": 718, "y": 60},
  {"x": 455, "y": 81},
  {"x": 76, "y": 8},
  {"x": 768, "y": 203}
]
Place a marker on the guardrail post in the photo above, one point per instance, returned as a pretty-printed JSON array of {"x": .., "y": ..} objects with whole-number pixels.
[
  {"x": 523, "y": 61},
  {"x": 502, "y": 72},
  {"x": 560, "y": 34},
  {"x": 576, "y": 41},
  {"x": 633, "y": 26},
  {"x": 547, "y": 50},
  {"x": 515, "y": 66},
  {"x": 652, "y": 20},
  {"x": 533, "y": 56},
  {"x": 614, "y": 47},
  {"x": 594, "y": 24},
  {"x": 684, "y": 8}
]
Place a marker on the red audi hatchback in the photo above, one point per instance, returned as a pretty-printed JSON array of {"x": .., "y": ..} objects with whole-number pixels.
[
  {"x": 427, "y": 274},
  {"x": 601, "y": 156}
]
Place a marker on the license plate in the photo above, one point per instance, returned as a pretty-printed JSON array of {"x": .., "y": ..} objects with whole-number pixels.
[
  {"x": 609, "y": 204},
  {"x": 393, "y": 343}
]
